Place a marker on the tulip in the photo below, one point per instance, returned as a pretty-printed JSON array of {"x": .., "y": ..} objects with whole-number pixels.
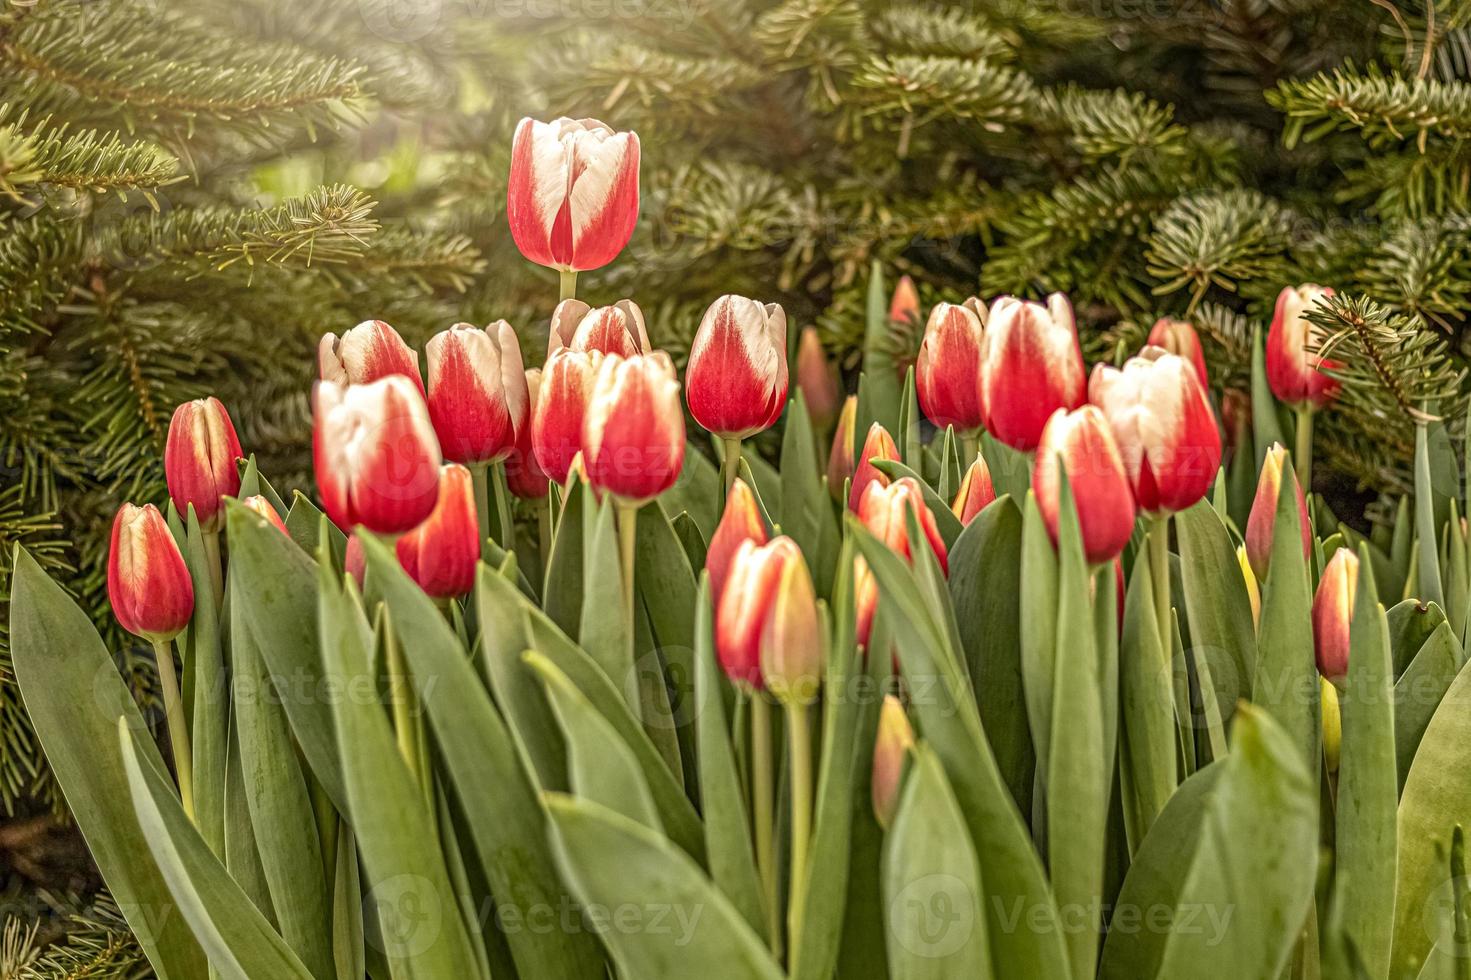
[
  {"x": 1262, "y": 522},
  {"x": 1332, "y": 720},
  {"x": 375, "y": 454},
  {"x": 556, "y": 423},
  {"x": 904, "y": 306},
  {"x": 148, "y": 583},
  {"x": 736, "y": 381},
  {"x": 817, "y": 381},
  {"x": 1294, "y": 369},
  {"x": 1164, "y": 428},
  {"x": 1082, "y": 441},
  {"x": 633, "y": 431},
  {"x": 440, "y": 554},
  {"x": 891, "y": 748},
  {"x": 572, "y": 195},
  {"x": 976, "y": 491},
  {"x": 369, "y": 351},
  {"x": 199, "y": 461},
  {"x": 878, "y": 445},
  {"x": 767, "y": 630},
  {"x": 1031, "y": 366},
  {"x": 477, "y": 391},
  {"x": 1333, "y": 612},
  {"x": 947, "y": 376},
  {"x": 840, "y": 458},
  {"x": 354, "y": 562},
  {"x": 883, "y": 511},
  {"x": 1179, "y": 338},
  {"x": 263, "y": 507},
  {"x": 741, "y": 522},
  {"x": 524, "y": 474},
  {"x": 616, "y": 329}
]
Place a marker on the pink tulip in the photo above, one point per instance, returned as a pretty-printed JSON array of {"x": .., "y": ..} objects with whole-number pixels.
[
  {"x": 883, "y": 511},
  {"x": 878, "y": 445},
  {"x": 556, "y": 424},
  {"x": 369, "y": 351},
  {"x": 741, "y": 522},
  {"x": 976, "y": 491},
  {"x": 633, "y": 432},
  {"x": 767, "y": 632}
]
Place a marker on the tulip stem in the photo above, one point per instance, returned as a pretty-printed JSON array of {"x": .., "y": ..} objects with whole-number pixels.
[
  {"x": 173, "y": 713},
  {"x": 480, "y": 483},
  {"x": 216, "y": 567},
  {"x": 507, "y": 533},
  {"x": 970, "y": 448},
  {"x": 569, "y": 283},
  {"x": 627, "y": 538},
  {"x": 1159, "y": 574},
  {"x": 801, "y": 749},
  {"x": 1303, "y": 457},
  {"x": 763, "y": 815},
  {"x": 730, "y": 466},
  {"x": 544, "y": 528}
]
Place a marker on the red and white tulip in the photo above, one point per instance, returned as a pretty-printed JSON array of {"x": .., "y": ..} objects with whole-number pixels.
[
  {"x": 1179, "y": 338},
  {"x": 617, "y": 329},
  {"x": 633, "y": 432},
  {"x": 976, "y": 491},
  {"x": 477, "y": 391},
  {"x": 840, "y": 456},
  {"x": 947, "y": 375},
  {"x": 1294, "y": 367},
  {"x": 1333, "y": 613},
  {"x": 741, "y": 522},
  {"x": 524, "y": 475},
  {"x": 369, "y": 351},
  {"x": 1084, "y": 443},
  {"x": 440, "y": 554},
  {"x": 561, "y": 405},
  {"x": 736, "y": 380},
  {"x": 891, "y": 748},
  {"x": 767, "y": 632},
  {"x": 883, "y": 510},
  {"x": 199, "y": 460},
  {"x": 877, "y": 445},
  {"x": 263, "y": 507},
  {"x": 1031, "y": 366},
  {"x": 148, "y": 583},
  {"x": 1261, "y": 523}
]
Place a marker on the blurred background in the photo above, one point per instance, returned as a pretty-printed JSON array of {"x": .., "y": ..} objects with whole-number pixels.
[{"x": 191, "y": 193}]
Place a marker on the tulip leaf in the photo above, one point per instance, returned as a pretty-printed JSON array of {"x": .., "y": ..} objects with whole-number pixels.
[
  {"x": 880, "y": 372},
  {"x": 485, "y": 770},
  {"x": 209, "y": 718},
  {"x": 242, "y": 859},
  {"x": 1368, "y": 791},
  {"x": 1419, "y": 690},
  {"x": 347, "y": 908},
  {"x": 690, "y": 538},
  {"x": 304, "y": 523},
  {"x": 945, "y": 520},
  {"x": 911, "y": 449},
  {"x": 239, "y": 941},
  {"x": 58, "y": 656},
  {"x": 666, "y": 588},
  {"x": 252, "y": 484},
  {"x": 806, "y": 512},
  {"x": 601, "y": 630},
  {"x": 697, "y": 492},
  {"x": 562, "y": 583},
  {"x": 1411, "y": 623},
  {"x": 952, "y": 466},
  {"x": 1231, "y": 860},
  {"x": 1266, "y": 423},
  {"x": 1428, "y": 569},
  {"x": 932, "y": 883},
  {"x": 1038, "y": 608},
  {"x": 1147, "y": 738},
  {"x": 687, "y": 929},
  {"x": 986, "y": 589},
  {"x": 1451, "y": 923},
  {"x": 1215, "y": 599}
]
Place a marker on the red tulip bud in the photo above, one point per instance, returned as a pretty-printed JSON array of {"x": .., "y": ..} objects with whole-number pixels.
[
  {"x": 1031, "y": 366},
  {"x": 1261, "y": 523},
  {"x": 148, "y": 583},
  {"x": 477, "y": 391},
  {"x": 524, "y": 474},
  {"x": 736, "y": 381},
  {"x": 369, "y": 351},
  {"x": 616, "y": 329},
  {"x": 263, "y": 507},
  {"x": 883, "y": 511},
  {"x": 904, "y": 307},
  {"x": 840, "y": 458},
  {"x": 741, "y": 522},
  {"x": 1179, "y": 338},
  {"x": 1333, "y": 612},
  {"x": 1083, "y": 442},
  {"x": 890, "y": 750},
  {"x": 1294, "y": 368},
  {"x": 556, "y": 423},
  {"x": 791, "y": 636},
  {"x": 947, "y": 376},
  {"x": 199, "y": 460},
  {"x": 766, "y": 626},
  {"x": 1164, "y": 428},
  {"x": 376, "y": 457},
  {"x": 441, "y": 553},
  {"x": 877, "y": 445},
  {"x": 817, "y": 380},
  {"x": 976, "y": 491},
  {"x": 572, "y": 196},
  {"x": 633, "y": 432},
  {"x": 355, "y": 563}
]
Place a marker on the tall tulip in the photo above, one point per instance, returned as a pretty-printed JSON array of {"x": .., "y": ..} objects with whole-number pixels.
[
  {"x": 375, "y": 454},
  {"x": 524, "y": 474},
  {"x": 736, "y": 381},
  {"x": 891, "y": 748},
  {"x": 1179, "y": 338},
  {"x": 1261, "y": 523},
  {"x": 947, "y": 375},
  {"x": 440, "y": 554},
  {"x": 741, "y": 522},
  {"x": 877, "y": 445},
  {"x": 840, "y": 456},
  {"x": 556, "y": 421},
  {"x": 616, "y": 329},
  {"x": 633, "y": 432},
  {"x": 572, "y": 195},
  {"x": 817, "y": 380},
  {"x": 1333, "y": 612},
  {"x": 477, "y": 391},
  {"x": 369, "y": 351},
  {"x": 1083, "y": 442},
  {"x": 976, "y": 491},
  {"x": 1295, "y": 368},
  {"x": 199, "y": 461},
  {"x": 1031, "y": 366},
  {"x": 883, "y": 511}
]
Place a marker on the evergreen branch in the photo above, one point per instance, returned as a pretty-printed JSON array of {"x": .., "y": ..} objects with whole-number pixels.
[
  {"x": 85, "y": 160},
  {"x": 1113, "y": 123},
  {"x": 1423, "y": 267},
  {"x": 946, "y": 32},
  {"x": 655, "y": 89},
  {"x": 39, "y": 259},
  {"x": 1217, "y": 238},
  {"x": 1384, "y": 108},
  {"x": 930, "y": 88},
  {"x": 96, "y": 944},
  {"x": 426, "y": 260}
]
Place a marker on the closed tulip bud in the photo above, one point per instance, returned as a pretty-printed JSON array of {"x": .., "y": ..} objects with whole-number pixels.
[
  {"x": 904, "y": 306},
  {"x": 791, "y": 635},
  {"x": 1031, "y": 366},
  {"x": 1253, "y": 592},
  {"x": 883, "y": 511},
  {"x": 369, "y": 351},
  {"x": 572, "y": 195},
  {"x": 1332, "y": 724},
  {"x": 199, "y": 460},
  {"x": 1164, "y": 428},
  {"x": 477, "y": 391},
  {"x": 746, "y": 603},
  {"x": 263, "y": 507},
  {"x": 1179, "y": 338},
  {"x": 1333, "y": 612},
  {"x": 976, "y": 491},
  {"x": 616, "y": 329},
  {"x": 561, "y": 405},
  {"x": 736, "y": 381},
  {"x": 741, "y": 522},
  {"x": 817, "y": 380},
  {"x": 441, "y": 553},
  {"x": 524, "y": 474},
  {"x": 1294, "y": 368},
  {"x": 878, "y": 445},
  {"x": 947, "y": 375},
  {"x": 890, "y": 752},
  {"x": 1261, "y": 523},
  {"x": 376, "y": 457},
  {"x": 1083, "y": 442},
  {"x": 148, "y": 583},
  {"x": 633, "y": 433},
  {"x": 840, "y": 457}
]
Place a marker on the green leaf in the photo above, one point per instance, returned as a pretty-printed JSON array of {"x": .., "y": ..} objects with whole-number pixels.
[
  {"x": 1411, "y": 623},
  {"x": 945, "y": 520},
  {"x": 304, "y": 523},
  {"x": 911, "y": 449},
  {"x": 688, "y": 928},
  {"x": 1266, "y": 423},
  {"x": 806, "y": 511},
  {"x": 1147, "y": 738},
  {"x": 880, "y": 373},
  {"x": 76, "y": 699},
  {"x": 1215, "y": 599},
  {"x": 1425, "y": 524},
  {"x": 347, "y": 908},
  {"x": 562, "y": 591},
  {"x": 242, "y": 859},
  {"x": 209, "y": 718},
  {"x": 601, "y": 631},
  {"x": 932, "y": 883},
  {"x": 1038, "y": 589},
  {"x": 666, "y": 588},
  {"x": 239, "y": 941},
  {"x": 1419, "y": 691},
  {"x": 697, "y": 492}
]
